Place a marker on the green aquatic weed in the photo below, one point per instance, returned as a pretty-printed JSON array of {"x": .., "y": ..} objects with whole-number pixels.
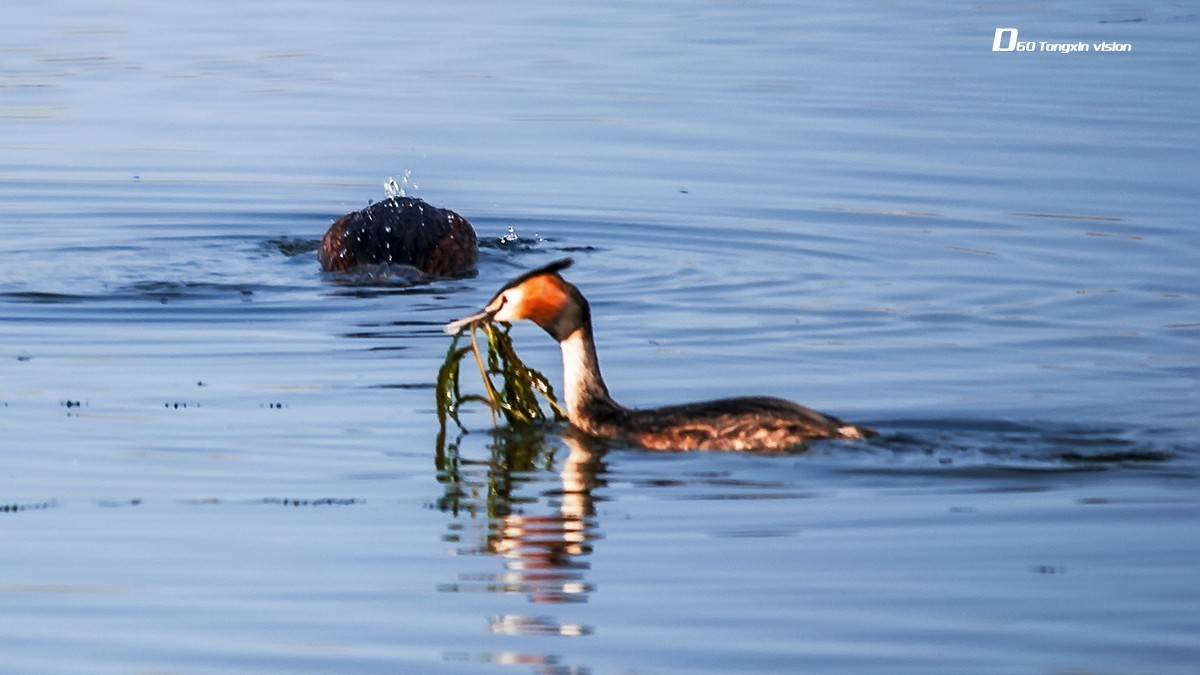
[{"x": 516, "y": 397}]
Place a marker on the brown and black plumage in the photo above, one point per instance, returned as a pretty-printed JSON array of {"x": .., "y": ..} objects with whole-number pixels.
[
  {"x": 758, "y": 423},
  {"x": 401, "y": 231}
]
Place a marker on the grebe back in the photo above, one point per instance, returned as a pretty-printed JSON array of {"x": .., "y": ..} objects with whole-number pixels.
[
  {"x": 401, "y": 231},
  {"x": 746, "y": 423}
]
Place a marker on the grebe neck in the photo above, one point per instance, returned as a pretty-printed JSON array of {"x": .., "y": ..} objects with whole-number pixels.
[{"x": 589, "y": 405}]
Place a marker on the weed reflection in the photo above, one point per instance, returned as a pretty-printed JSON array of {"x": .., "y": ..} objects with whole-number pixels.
[{"x": 538, "y": 512}]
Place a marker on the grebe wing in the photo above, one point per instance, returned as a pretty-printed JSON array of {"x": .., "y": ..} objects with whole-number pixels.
[{"x": 748, "y": 423}]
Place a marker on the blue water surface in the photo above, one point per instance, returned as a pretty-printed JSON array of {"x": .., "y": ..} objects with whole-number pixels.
[{"x": 218, "y": 459}]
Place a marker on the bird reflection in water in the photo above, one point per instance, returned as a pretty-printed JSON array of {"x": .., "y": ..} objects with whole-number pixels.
[{"x": 543, "y": 538}]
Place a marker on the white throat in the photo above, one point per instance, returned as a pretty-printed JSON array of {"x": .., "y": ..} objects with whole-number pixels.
[
  {"x": 584, "y": 391},
  {"x": 578, "y": 357}
]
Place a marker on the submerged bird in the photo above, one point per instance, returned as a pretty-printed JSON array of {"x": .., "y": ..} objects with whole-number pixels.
[
  {"x": 746, "y": 423},
  {"x": 402, "y": 231}
]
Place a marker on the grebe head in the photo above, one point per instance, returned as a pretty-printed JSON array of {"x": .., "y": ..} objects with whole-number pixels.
[{"x": 540, "y": 295}]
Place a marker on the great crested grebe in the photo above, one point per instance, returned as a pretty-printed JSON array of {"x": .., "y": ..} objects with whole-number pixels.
[
  {"x": 746, "y": 423},
  {"x": 401, "y": 231}
]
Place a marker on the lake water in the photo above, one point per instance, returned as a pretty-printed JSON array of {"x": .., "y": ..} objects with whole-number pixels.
[{"x": 218, "y": 460}]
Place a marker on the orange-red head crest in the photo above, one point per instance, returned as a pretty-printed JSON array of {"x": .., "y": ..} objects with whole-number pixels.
[{"x": 541, "y": 296}]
